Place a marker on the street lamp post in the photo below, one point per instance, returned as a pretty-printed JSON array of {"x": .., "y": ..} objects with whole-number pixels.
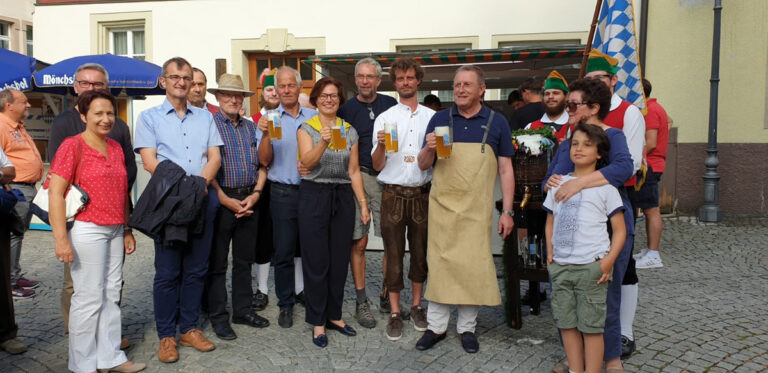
[{"x": 710, "y": 211}]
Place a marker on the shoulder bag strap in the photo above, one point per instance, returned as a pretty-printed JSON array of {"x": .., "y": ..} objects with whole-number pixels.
[{"x": 78, "y": 160}]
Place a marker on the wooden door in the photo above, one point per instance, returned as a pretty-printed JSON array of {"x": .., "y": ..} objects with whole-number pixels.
[{"x": 257, "y": 62}]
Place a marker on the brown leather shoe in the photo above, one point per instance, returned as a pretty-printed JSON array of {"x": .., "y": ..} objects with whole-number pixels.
[
  {"x": 124, "y": 343},
  {"x": 194, "y": 338},
  {"x": 167, "y": 352}
]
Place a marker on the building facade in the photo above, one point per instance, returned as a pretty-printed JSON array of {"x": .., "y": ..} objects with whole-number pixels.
[
  {"x": 16, "y": 31},
  {"x": 251, "y": 35}
]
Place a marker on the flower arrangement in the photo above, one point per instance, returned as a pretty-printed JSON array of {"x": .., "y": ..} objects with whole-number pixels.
[{"x": 533, "y": 141}]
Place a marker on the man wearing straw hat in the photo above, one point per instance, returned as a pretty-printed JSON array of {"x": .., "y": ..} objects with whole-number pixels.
[{"x": 238, "y": 184}]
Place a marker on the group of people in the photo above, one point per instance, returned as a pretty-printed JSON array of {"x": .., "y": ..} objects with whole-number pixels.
[
  {"x": 605, "y": 169},
  {"x": 299, "y": 187}
]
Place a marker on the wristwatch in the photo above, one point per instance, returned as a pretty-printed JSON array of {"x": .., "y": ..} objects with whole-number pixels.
[
  {"x": 508, "y": 212},
  {"x": 256, "y": 191}
]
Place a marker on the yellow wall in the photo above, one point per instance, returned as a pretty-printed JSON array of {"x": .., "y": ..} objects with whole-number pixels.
[{"x": 678, "y": 63}]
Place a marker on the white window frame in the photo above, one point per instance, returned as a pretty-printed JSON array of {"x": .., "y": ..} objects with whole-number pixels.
[
  {"x": 129, "y": 32},
  {"x": 103, "y": 24},
  {"x": 29, "y": 43},
  {"x": 7, "y": 38}
]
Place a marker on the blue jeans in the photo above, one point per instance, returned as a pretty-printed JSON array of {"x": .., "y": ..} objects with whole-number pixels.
[
  {"x": 180, "y": 272},
  {"x": 284, "y": 203}
]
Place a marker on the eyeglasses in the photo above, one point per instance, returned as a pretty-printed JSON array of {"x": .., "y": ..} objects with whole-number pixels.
[
  {"x": 87, "y": 84},
  {"x": 572, "y": 106},
  {"x": 176, "y": 78},
  {"x": 464, "y": 85},
  {"x": 328, "y": 97},
  {"x": 231, "y": 96},
  {"x": 366, "y": 77}
]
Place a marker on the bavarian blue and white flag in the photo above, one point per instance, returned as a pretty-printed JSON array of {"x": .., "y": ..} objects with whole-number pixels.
[{"x": 615, "y": 36}]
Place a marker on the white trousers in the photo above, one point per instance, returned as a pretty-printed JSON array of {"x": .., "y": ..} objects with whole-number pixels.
[
  {"x": 438, "y": 315},
  {"x": 94, "y": 317}
]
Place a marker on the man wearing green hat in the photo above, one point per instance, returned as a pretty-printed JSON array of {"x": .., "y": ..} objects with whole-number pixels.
[{"x": 555, "y": 116}]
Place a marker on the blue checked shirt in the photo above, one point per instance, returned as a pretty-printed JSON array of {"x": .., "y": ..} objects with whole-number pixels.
[
  {"x": 184, "y": 141},
  {"x": 239, "y": 155}
]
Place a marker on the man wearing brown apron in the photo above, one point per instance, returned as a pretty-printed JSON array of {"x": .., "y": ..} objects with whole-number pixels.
[{"x": 461, "y": 268}]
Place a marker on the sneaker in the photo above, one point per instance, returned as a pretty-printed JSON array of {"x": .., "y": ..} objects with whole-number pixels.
[
  {"x": 394, "y": 327},
  {"x": 364, "y": 316},
  {"x": 627, "y": 347},
  {"x": 649, "y": 261},
  {"x": 21, "y": 293},
  {"x": 640, "y": 254},
  {"x": 384, "y": 303},
  {"x": 260, "y": 301},
  {"x": 27, "y": 284},
  {"x": 419, "y": 317}
]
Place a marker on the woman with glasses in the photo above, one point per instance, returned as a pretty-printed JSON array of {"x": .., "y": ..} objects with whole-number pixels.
[
  {"x": 589, "y": 102},
  {"x": 95, "y": 244},
  {"x": 328, "y": 148}
]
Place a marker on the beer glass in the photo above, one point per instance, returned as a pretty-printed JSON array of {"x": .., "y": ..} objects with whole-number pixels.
[
  {"x": 338, "y": 138},
  {"x": 390, "y": 137},
  {"x": 275, "y": 129},
  {"x": 443, "y": 138}
]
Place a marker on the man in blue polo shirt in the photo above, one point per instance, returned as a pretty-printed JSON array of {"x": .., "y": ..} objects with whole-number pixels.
[
  {"x": 459, "y": 258},
  {"x": 281, "y": 158},
  {"x": 361, "y": 112},
  {"x": 188, "y": 137}
]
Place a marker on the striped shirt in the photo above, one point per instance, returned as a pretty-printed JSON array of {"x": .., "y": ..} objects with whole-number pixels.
[{"x": 239, "y": 155}]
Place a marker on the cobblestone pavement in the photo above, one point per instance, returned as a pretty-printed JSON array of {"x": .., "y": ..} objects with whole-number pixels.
[{"x": 704, "y": 311}]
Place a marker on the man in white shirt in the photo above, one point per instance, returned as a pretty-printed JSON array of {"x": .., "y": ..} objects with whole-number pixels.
[{"x": 400, "y": 132}]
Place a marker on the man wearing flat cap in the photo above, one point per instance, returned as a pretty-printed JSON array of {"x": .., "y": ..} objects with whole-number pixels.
[{"x": 238, "y": 184}]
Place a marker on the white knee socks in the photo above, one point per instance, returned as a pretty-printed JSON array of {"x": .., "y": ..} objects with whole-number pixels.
[
  {"x": 262, "y": 275},
  {"x": 629, "y": 294},
  {"x": 298, "y": 275}
]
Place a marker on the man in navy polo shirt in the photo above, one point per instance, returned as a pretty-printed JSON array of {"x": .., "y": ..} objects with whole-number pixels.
[
  {"x": 459, "y": 258},
  {"x": 361, "y": 111}
]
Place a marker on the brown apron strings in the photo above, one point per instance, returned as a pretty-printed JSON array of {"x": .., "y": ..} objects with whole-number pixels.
[{"x": 485, "y": 135}]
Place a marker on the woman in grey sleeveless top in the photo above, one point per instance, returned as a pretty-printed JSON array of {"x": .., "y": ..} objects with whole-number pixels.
[{"x": 328, "y": 148}]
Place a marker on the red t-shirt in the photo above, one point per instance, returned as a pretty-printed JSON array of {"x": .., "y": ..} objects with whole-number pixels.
[
  {"x": 656, "y": 119},
  {"x": 104, "y": 179}
]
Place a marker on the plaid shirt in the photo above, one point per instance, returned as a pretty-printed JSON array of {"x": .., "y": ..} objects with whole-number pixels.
[{"x": 239, "y": 155}]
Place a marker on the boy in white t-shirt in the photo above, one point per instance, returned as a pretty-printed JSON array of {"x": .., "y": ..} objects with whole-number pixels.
[{"x": 580, "y": 254}]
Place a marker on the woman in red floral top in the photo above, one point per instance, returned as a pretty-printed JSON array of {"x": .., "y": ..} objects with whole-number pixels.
[{"x": 94, "y": 246}]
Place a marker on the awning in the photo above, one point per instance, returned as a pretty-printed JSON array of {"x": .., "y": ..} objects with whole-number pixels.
[{"x": 504, "y": 67}]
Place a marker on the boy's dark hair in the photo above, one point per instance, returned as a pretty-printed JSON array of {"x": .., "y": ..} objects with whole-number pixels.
[
  {"x": 593, "y": 91},
  {"x": 598, "y": 137}
]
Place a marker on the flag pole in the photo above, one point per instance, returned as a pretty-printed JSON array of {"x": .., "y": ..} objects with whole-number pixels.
[{"x": 590, "y": 38}]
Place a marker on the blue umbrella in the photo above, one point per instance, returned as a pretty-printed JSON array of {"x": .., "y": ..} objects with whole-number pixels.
[
  {"x": 16, "y": 70},
  {"x": 137, "y": 77}
]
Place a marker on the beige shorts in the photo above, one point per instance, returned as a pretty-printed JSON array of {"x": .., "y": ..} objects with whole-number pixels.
[{"x": 373, "y": 196}]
